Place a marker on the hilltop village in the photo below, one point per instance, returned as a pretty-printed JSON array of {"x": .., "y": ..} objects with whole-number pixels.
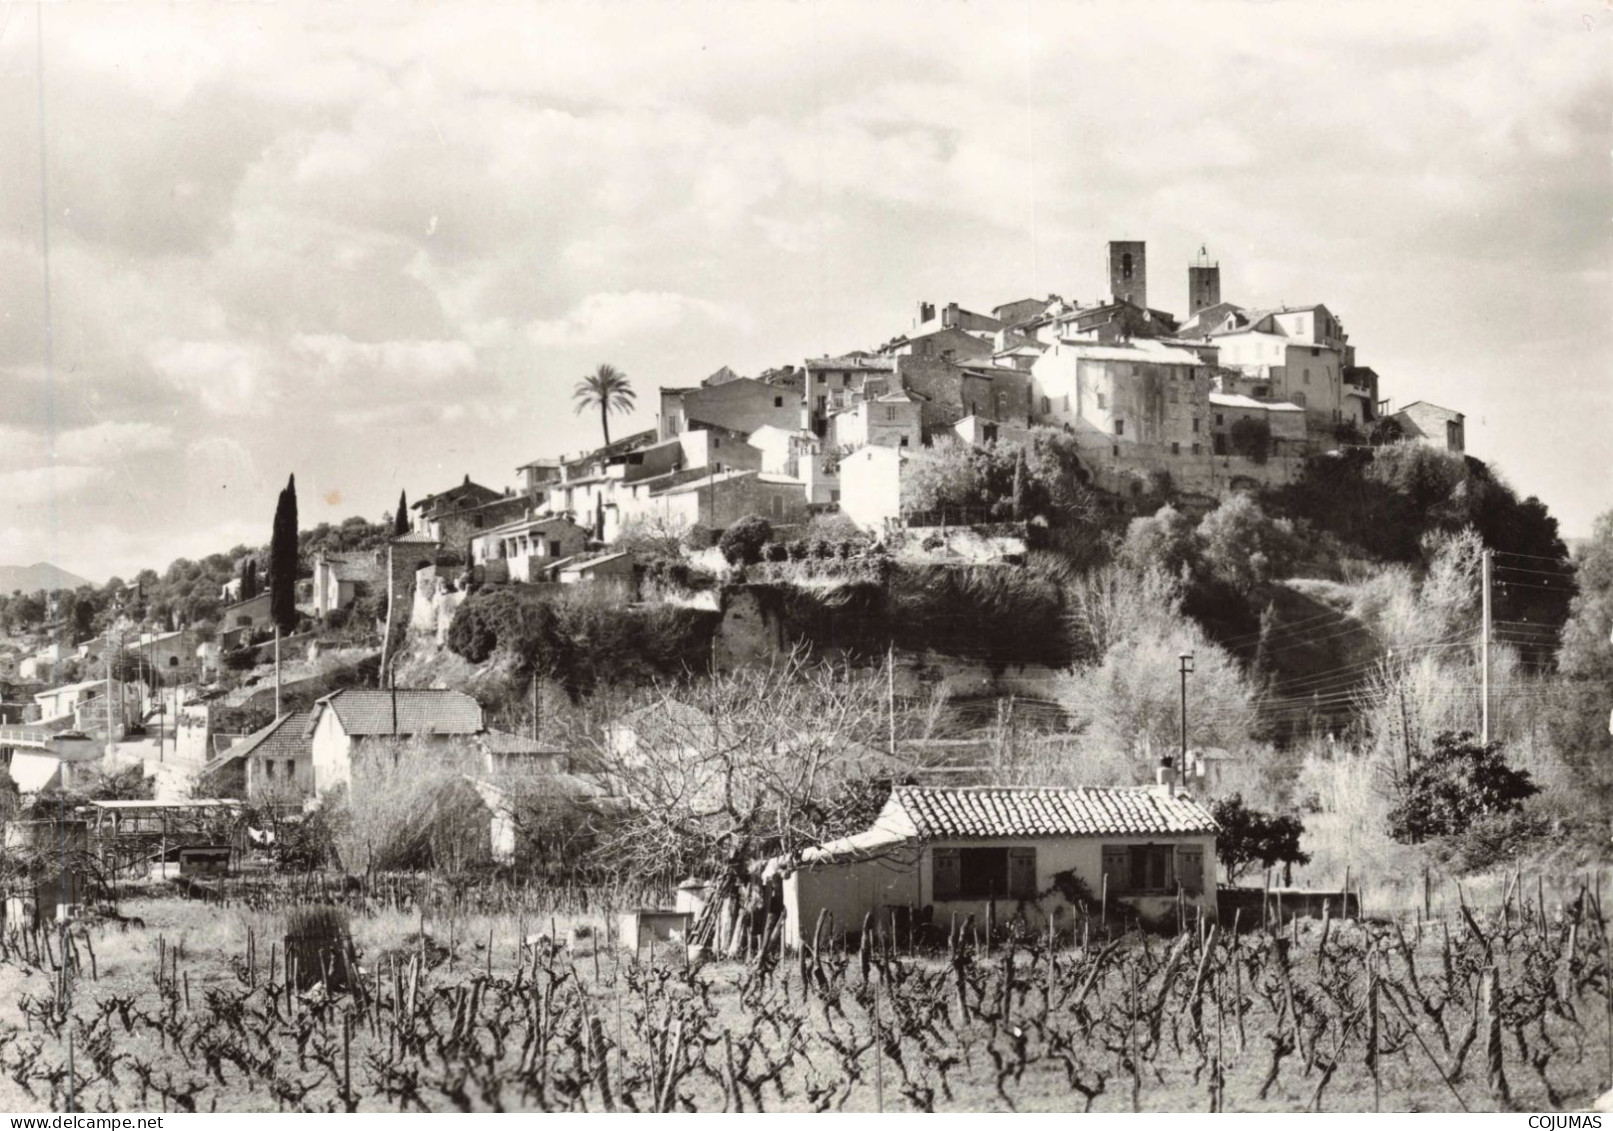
[{"x": 1137, "y": 403}]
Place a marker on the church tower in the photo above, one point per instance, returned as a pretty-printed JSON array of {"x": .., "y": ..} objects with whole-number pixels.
[
  {"x": 1128, "y": 272},
  {"x": 1203, "y": 283}
]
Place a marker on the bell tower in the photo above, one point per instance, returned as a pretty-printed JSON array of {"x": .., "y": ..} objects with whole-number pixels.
[
  {"x": 1203, "y": 282},
  {"x": 1128, "y": 272}
]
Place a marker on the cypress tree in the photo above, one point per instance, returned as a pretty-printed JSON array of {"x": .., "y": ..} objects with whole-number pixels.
[
  {"x": 249, "y": 579},
  {"x": 400, "y": 521},
  {"x": 283, "y": 560}
]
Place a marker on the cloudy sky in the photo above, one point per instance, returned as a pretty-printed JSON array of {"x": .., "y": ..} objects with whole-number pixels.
[{"x": 377, "y": 246}]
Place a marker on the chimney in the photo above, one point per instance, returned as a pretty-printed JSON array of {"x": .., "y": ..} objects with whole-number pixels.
[
  {"x": 1166, "y": 777},
  {"x": 926, "y": 312},
  {"x": 949, "y": 317}
]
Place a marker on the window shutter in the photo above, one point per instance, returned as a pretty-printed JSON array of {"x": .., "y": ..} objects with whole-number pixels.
[
  {"x": 944, "y": 872},
  {"x": 1117, "y": 866},
  {"x": 1190, "y": 867},
  {"x": 1022, "y": 873}
]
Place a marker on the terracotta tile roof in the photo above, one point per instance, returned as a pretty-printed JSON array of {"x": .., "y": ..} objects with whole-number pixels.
[
  {"x": 286, "y": 737},
  {"x": 369, "y": 711},
  {"x": 998, "y": 811}
]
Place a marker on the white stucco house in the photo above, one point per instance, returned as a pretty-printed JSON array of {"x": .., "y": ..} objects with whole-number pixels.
[
  {"x": 953, "y": 850},
  {"x": 344, "y": 722}
]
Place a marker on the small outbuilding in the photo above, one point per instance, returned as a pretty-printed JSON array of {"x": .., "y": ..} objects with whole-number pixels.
[{"x": 1034, "y": 853}]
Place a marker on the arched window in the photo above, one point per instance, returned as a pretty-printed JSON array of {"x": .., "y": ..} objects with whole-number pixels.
[{"x": 1125, "y": 265}]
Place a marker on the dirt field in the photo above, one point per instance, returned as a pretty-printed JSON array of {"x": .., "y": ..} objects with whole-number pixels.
[{"x": 192, "y": 1011}]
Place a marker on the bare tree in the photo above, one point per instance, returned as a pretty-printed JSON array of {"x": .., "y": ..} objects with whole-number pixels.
[{"x": 719, "y": 773}]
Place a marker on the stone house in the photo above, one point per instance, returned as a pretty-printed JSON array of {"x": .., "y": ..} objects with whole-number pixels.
[
  {"x": 833, "y": 384},
  {"x": 524, "y": 550},
  {"x": 251, "y": 615},
  {"x": 945, "y": 852},
  {"x": 1430, "y": 424},
  {"x": 1140, "y": 398},
  {"x": 1295, "y": 354},
  {"x": 345, "y": 722},
  {"x": 454, "y": 528},
  {"x": 741, "y": 406},
  {"x": 1284, "y": 422},
  {"x": 340, "y": 579},
  {"x": 273, "y": 764},
  {"x": 618, "y": 570},
  {"x": 463, "y": 496},
  {"x": 715, "y": 501},
  {"x": 61, "y": 702},
  {"x": 892, "y": 421}
]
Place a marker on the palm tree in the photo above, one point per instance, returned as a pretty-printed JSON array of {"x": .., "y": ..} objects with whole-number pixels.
[{"x": 608, "y": 389}]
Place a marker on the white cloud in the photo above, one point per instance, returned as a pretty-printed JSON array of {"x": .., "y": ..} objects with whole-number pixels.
[
  {"x": 113, "y": 440},
  {"x": 226, "y": 377},
  {"x": 47, "y": 485},
  {"x": 611, "y": 316}
]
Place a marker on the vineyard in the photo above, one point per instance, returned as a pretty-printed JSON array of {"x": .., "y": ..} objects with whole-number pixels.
[{"x": 365, "y": 1003}]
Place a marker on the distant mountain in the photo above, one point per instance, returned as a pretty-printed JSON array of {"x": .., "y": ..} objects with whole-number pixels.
[{"x": 40, "y": 575}]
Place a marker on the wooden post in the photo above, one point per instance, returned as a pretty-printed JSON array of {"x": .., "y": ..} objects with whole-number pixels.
[{"x": 1490, "y": 1013}]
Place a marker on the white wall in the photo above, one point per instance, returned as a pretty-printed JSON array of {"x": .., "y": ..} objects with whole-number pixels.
[
  {"x": 903, "y": 877},
  {"x": 871, "y": 486}
]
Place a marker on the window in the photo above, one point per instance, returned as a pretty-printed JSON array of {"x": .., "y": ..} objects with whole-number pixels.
[
  {"x": 716, "y": 441},
  {"x": 1307, "y": 375},
  {"x": 1175, "y": 396},
  {"x": 1139, "y": 868},
  {"x": 890, "y": 412},
  {"x": 1117, "y": 451},
  {"x": 903, "y": 444},
  {"x": 173, "y": 661},
  {"x": 778, "y": 402},
  {"x": 1176, "y": 447},
  {"x": 554, "y": 548},
  {"x": 1103, "y": 401},
  {"x": 1299, "y": 399},
  {"x": 1120, "y": 427},
  {"x": 1195, "y": 425},
  {"x": 1047, "y": 406},
  {"x": 834, "y": 495},
  {"x": 984, "y": 873},
  {"x": 291, "y": 768},
  {"x": 1220, "y": 419},
  {"x": 1315, "y": 352},
  {"x": 1195, "y": 449},
  {"x": 1125, "y": 265}
]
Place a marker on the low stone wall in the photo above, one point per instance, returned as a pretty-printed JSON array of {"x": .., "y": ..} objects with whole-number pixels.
[{"x": 1282, "y": 905}]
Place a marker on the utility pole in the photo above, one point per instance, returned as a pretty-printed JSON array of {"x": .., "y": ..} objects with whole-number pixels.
[
  {"x": 890, "y": 693},
  {"x": 1185, "y": 665},
  {"x": 277, "y": 669},
  {"x": 1484, "y": 650}
]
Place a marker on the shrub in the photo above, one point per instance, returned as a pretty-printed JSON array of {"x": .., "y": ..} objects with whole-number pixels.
[
  {"x": 698, "y": 538},
  {"x": 1456, "y": 782},
  {"x": 241, "y": 659},
  {"x": 777, "y": 552},
  {"x": 1250, "y": 836},
  {"x": 741, "y": 543}
]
